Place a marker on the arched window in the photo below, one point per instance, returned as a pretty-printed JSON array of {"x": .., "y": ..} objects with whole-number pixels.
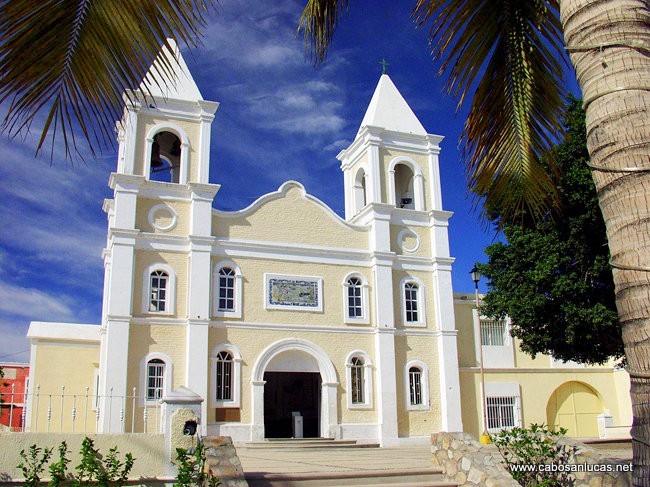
[
  {"x": 355, "y": 299},
  {"x": 226, "y": 289},
  {"x": 224, "y": 376},
  {"x": 158, "y": 287},
  {"x": 413, "y": 312},
  {"x": 155, "y": 380},
  {"x": 417, "y": 383},
  {"x": 415, "y": 386},
  {"x": 359, "y": 380},
  {"x": 411, "y": 302},
  {"x": 225, "y": 388},
  {"x": 227, "y": 282}
]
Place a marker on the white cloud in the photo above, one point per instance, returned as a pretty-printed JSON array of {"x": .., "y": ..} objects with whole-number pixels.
[
  {"x": 32, "y": 303},
  {"x": 14, "y": 346}
]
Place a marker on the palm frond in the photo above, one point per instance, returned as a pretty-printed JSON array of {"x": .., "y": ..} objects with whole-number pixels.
[
  {"x": 510, "y": 52},
  {"x": 75, "y": 58},
  {"x": 318, "y": 23}
]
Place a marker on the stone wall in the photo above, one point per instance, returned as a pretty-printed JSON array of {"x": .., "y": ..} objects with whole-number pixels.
[
  {"x": 467, "y": 462},
  {"x": 222, "y": 460}
]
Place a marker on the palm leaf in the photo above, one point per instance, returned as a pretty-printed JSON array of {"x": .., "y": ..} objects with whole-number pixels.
[
  {"x": 74, "y": 59},
  {"x": 318, "y": 23},
  {"x": 510, "y": 52}
]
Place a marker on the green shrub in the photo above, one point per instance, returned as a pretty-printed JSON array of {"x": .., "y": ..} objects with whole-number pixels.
[
  {"x": 191, "y": 468},
  {"x": 522, "y": 448},
  {"x": 93, "y": 468}
]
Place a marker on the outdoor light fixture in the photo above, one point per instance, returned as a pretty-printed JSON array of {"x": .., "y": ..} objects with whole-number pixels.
[{"x": 476, "y": 277}]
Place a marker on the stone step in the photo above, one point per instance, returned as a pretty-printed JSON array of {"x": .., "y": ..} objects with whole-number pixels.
[
  {"x": 306, "y": 443},
  {"x": 359, "y": 478}
]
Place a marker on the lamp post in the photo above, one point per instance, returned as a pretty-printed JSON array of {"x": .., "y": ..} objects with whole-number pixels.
[{"x": 476, "y": 277}]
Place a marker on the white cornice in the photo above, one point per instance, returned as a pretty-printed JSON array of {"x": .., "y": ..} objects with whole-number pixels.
[{"x": 69, "y": 332}]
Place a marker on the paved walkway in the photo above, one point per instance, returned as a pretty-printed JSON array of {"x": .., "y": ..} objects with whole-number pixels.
[{"x": 306, "y": 460}]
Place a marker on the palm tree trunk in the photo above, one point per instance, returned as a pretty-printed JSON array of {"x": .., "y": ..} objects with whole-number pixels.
[{"x": 609, "y": 43}]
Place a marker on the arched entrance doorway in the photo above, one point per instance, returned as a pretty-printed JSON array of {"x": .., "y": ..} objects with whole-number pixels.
[
  {"x": 292, "y": 387},
  {"x": 293, "y": 375},
  {"x": 575, "y": 406}
]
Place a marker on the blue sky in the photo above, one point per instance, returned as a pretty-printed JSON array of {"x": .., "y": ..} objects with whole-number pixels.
[{"x": 280, "y": 118}]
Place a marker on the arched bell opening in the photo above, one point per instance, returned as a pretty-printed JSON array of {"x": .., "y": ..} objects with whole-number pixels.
[
  {"x": 404, "y": 196},
  {"x": 360, "y": 191},
  {"x": 165, "y": 157}
]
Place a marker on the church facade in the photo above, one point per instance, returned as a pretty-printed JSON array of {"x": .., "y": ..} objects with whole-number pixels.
[{"x": 283, "y": 309}]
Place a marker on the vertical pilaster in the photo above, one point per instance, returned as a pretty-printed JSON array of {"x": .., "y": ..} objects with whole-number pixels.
[
  {"x": 446, "y": 323},
  {"x": 199, "y": 285},
  {"x": 385, "y": 328},
  {"x": 375, "y": 170}
]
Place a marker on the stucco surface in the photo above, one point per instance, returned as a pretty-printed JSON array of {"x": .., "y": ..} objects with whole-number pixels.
[
  {"x": 51, "y": 370},
  {"x": 291, "y": 218},
  {"x": 147, "y": 449}
]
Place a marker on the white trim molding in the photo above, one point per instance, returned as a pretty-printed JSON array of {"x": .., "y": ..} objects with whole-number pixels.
[
  {"x": 329, "y": 385},
  {"x": 238, "y": 289},
  {"x": 424, "y": 386},
  {"x": 364, "y": 319},
  {"x": 367, "y": 389},
  {"x": 170, "y": 295},
  {"x": 235, "y": 384},
  {"x": 160, "y": 208},
  {"x": 421, "y": 308}
]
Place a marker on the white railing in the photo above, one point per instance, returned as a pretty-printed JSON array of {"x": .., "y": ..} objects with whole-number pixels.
[{"x": 81, "y": 413}]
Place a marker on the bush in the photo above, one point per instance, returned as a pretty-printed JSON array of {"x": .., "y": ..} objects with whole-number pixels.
[
  {"x": 191, "y": 468},
  {"x": 522, "y": 448},
  {"x": 93, "y": 468}
]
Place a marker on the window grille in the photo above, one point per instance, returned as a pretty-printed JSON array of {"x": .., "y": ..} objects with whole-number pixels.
[
  {"x": 226, "y": 289},
  {"x": 357, "y": 379},
  {"x": 493, "y": 333},
  {"x": 158, "y": 286},
  {"x": 501, "y": 412},
  {"x": 415, "y": 386},
  {"x": 355, "y": 304},
  {"x": 155, "y": 379},
  {"x": 224, "y": 376},
  {"x": 411, "y": 302}
]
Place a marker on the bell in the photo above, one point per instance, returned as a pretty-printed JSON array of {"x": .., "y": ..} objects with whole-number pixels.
[{"x": 155, "y": 155}]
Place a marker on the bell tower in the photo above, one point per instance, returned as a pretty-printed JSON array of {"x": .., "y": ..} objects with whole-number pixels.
[
  {"x": 392, "y": 183},
  {"x": 164, "y": 134},
  {"x": 161, "y": 185},
  {"x": 393, "y": 160}
]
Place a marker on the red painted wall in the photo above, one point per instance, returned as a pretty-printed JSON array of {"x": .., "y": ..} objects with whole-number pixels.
[{"x": 12, "y": 406}]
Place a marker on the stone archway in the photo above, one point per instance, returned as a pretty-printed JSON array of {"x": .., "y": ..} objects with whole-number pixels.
[
  {"x": 290, "y": 354},
  {"x": 575, "y": 406}
]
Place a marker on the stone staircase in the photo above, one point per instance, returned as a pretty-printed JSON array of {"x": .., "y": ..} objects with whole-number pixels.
[{"x": 326, "y": 462}]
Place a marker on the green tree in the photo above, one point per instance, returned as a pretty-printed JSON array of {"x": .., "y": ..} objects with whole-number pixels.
[
  {"x": 75, "y": 58},
  {"x": 552, "y": 276}
]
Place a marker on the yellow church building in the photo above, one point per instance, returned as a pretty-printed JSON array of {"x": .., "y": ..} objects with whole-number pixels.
[{"x": 284, "y": 318}]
